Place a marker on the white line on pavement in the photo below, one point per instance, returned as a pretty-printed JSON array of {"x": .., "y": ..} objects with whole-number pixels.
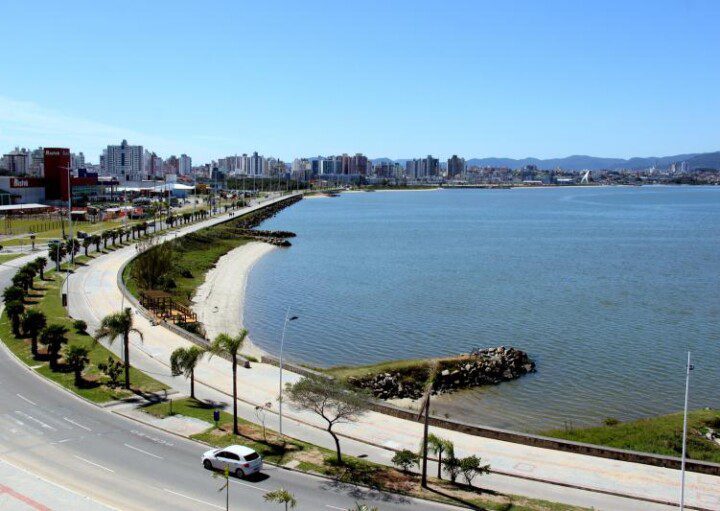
[
  {"x": 335, "y": 507},
  {"x": 144, "y": 452},
  {"x": 93, "y": 463},
  {"x": 63, "y": 441},
  {"x": 193, "y": 499},
  {"x": 248, "y": 485},
  {"x": 78, "y": 425},
  {"x": 25, "y": 399},
  {"x": 36, "y": 421}
]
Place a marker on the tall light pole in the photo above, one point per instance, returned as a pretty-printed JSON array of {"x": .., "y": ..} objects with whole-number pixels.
[
  {"x": 688, "y": 368},
  {"x": 282, "y": 346}
]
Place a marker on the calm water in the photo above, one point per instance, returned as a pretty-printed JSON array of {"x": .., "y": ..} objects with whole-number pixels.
[{"x": 606, "y": 288}]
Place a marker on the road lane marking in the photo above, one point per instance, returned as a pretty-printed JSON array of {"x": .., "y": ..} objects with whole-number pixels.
[
  {"x": 248, "y": 485},
  {"x": 25, "y": 399},
  {"x": 36, "y": 421},
  {"x": 93, "y": 463},
  {"x": 78, "y": 425},
  {"x": 335, "y": 507},
  {"x": 63, "y": 441},
  {"x": 144, "y": 452},
  {"x": 193, "y": 499}
]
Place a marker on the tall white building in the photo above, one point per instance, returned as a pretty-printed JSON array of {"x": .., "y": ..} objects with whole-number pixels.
[
  {"x": 126, "y": 162},
  {"x": 17, "y": 161},
  {"x": 257, "y": 164},
  {"x": 185, "y": 165}
]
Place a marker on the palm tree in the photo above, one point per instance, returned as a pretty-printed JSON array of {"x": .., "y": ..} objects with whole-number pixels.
[
  {"x": 106, "y": 235},
  {"x": 438, "y": 446},
  {"x": 119, "y": 324},
  {"x": 40, "y": 264},
  {"x": 87, "y": 241},
  {"x": 53, "y": 336},
  {"x": 76, "y": 358},
  {"x": 97, "y": 239},
  {"x": 281, "y": 496},
  {"x": 183, "y": 361},
  {"x": 12, "y": 293},
  {"x": 224, "y": 344},
  {"x": 14, "y": 310},
  {"x": 33, "y": 322}
]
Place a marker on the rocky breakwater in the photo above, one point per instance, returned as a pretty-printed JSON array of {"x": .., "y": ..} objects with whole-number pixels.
[
  {"x": 245, "y": 226},
  {"x": 488, "y": 366}
]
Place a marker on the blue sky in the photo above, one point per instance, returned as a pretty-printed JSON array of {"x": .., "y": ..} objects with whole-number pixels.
[{"x": 387, "y": 78}]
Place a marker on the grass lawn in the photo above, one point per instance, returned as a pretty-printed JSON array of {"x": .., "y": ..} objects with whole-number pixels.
[
  {"x": 316, "y": 459},
  {"x": 4, "y": 258},
  {"x": 52, "y": 229},
  {"x": 47, "y": 298},
  {"x": 344, "y": 372},
  {"x": 657, "y": 435}
]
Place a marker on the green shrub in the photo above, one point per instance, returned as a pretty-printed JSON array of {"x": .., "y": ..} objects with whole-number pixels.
[
  {"x": 405, "y": 459},
  {"x": 80, "y": 326}
]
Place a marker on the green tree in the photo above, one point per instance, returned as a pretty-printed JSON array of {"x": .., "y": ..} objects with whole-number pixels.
[
  {"x": 97, "y": 239},
  {"x": 153, "y": 265},
  {"x": 281, "y": 496},
  {"x": 57, "y": 251},
  {"x": 53, "y": 336},
  {"x": 14, "y": 311},
  {"x": 226, "y": 345},
  {"x": 76, "y": 358},
  {"x": 332, "y": 400},
  {"x": 33, "y": 322},
  {"x": 119, "y": 324},
  {"x": 40, "y": 263},
  {"x": 405, "y": 459},
  {"x": 471, "y": 467},
  {"x": 13, "y": 293},
  {"x": 87, "y": 243},
  {"x": 451, "y": 464},
  {"x": 80, "y": 326},
  {"x": 183, "y": 361},
  {"x": 437, "y": 446}
]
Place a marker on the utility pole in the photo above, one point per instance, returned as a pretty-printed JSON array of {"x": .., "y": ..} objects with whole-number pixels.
[
  {"x": 688, "y": 368},
  {"x": 282, "y": 346},
  {"x": 425, "y": 409}
]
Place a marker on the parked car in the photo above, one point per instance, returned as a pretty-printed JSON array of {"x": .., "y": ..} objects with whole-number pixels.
[{"x": 240, "y": 460}]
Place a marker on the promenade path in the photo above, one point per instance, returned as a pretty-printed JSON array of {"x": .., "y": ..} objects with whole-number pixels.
[{"x": 530, "y": 471}]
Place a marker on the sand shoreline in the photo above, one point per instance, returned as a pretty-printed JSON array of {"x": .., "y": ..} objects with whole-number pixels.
[{"x": 219, "y": 301}]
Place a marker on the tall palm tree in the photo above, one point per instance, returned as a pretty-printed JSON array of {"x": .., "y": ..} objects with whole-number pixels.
[
  {"x": 12, "y": 293},
  {"x": 225, "y": 345},
  {"x": 437, "y": 446},
  {"x": 33, "y": 322},
  {"x": 53, "y": 336},
  {"x": 119, "y": 324},
  {"x": 183, "y": 361},
  {"x": 281, "y": 496}
]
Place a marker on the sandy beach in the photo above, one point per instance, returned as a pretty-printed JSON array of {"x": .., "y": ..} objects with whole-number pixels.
[{"x": 219, "y": 301}]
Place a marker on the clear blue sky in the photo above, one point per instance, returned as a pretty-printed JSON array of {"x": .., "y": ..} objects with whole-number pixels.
[{"x": 387, "y": 78}]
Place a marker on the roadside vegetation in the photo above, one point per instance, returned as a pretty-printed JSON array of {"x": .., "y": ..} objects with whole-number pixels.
[
  {"x": 35, "y": 327},
  {"x": 656, "y": 435},
  {"x": 311, "y": 458}
]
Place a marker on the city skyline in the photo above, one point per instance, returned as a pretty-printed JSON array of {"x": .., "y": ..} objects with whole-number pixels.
[{"x": 504, "y": 81}]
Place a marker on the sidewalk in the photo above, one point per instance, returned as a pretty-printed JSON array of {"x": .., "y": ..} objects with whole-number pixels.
[{"x": 94, "y": 293}]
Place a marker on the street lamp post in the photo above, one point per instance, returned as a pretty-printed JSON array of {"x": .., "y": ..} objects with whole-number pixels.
[
  {"x": 688, "y": 368},
  {"x": 282, "y": 346}
]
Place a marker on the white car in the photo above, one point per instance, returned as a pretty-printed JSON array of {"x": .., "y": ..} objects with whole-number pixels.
[{"x": 240, "y": 460}]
